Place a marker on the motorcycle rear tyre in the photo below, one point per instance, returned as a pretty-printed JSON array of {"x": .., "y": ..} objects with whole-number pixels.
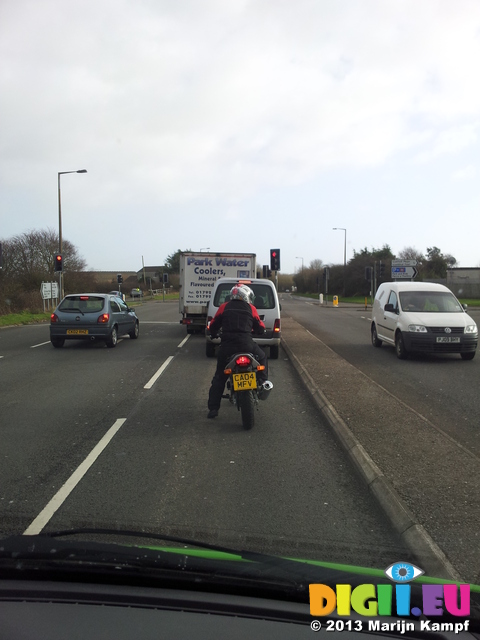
[{"x": 247, "y": 408}]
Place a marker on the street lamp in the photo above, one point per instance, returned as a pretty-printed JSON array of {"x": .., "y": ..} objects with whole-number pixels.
[
  {"x": 205, "y": 249},
  {"x": 60, "y": 243},
  {"x": 344, "y": 258},
  {"x": 299, "y": 258}
]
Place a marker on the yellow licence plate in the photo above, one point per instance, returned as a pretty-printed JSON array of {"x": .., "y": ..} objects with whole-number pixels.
[
  {"x": 243, "y": 381},
  {"x": 77, "y": 332}
]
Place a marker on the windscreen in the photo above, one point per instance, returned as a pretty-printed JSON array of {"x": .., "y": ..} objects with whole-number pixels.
[{"x": 429, "y": 302}]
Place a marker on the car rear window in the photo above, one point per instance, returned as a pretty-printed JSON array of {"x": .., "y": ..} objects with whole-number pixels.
[
  {"x": 429, "y": 302},
  {"x": 85, "y": 304},
  {"x": 264, "y": 296}
]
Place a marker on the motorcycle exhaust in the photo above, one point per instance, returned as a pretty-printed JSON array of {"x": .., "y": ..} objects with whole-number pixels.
[{"x": 265, "y": 389}]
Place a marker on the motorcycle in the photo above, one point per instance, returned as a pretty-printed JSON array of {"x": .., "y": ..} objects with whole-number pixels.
[{"x": 243, "y": 390}]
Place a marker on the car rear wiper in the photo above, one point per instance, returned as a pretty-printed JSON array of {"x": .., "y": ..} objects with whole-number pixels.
[{"x": 73, "y": 309}]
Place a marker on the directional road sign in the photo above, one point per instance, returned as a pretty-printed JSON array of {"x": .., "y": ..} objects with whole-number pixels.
[
  {"x": 404, "y": 272},
  {"x": 404, "y": 263}
]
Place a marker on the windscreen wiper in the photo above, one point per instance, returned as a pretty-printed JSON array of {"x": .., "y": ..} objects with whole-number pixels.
[{"x": 299, "y": 572}]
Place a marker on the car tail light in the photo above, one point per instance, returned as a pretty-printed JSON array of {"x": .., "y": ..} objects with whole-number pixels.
[
  {"x": 243, "y": 361},
  {"x": 104, "y": 318},
  {"x": 54, "y": 317},
  {"x": 276, "y": 326}
]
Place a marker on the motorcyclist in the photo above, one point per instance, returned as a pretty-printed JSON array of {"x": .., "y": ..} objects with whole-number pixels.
[{"x": 237, "y": 318}]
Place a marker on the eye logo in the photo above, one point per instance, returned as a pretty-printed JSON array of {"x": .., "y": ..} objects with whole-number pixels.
[{"x": 403, "y": 572}]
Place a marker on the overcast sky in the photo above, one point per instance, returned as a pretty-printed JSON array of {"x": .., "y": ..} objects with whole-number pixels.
[{"x": 242, "y": 126}]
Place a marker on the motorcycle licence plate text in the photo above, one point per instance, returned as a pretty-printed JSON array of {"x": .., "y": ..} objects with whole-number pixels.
[{"x": 243, "y": 381}]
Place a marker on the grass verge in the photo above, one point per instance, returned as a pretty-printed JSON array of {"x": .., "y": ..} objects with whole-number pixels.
[{"x": 25, "y": 317}]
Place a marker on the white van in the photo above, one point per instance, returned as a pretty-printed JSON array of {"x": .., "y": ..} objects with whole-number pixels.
[
  {"x": 266, "y": 303},
  {"x": 422, "y": 317}
]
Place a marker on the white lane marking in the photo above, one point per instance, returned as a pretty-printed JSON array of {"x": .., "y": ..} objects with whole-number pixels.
[
  {"x": 154, "y": 378},
  {"x": 158, "y": 322},
  {"x": 183, "y": 342},
  {"x": 39, "y": 345},
  {"x": 62, "y": 494}
]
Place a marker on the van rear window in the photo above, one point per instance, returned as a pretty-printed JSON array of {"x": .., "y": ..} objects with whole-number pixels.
[{"x": 264, "y": 297}]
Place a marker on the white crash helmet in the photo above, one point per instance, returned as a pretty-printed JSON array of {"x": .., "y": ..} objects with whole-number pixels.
[{"x": 242, "y": 292}]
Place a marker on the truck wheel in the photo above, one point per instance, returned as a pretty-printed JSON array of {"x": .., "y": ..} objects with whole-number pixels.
[{"x": 210, "y": 350}]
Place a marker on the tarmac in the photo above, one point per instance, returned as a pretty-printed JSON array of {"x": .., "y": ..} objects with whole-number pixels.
[{"x": 427, "y": 484}]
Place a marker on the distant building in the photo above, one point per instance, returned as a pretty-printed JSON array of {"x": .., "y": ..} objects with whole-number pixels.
[
  {"x": 155, "y": 274},
  {"x": 464, "y": 281}
]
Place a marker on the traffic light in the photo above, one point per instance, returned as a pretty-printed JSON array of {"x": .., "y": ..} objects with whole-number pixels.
[
  {"x": 267, "y": 273},
  {"x": 382, "y": 269},
  {"x": 368, "y": 273},
  {"x": 119, "y": 278},
  {"x": 58, "y": 262},
  {"x": 165, "y": 278},
  {"x": 275, "y": 259}
]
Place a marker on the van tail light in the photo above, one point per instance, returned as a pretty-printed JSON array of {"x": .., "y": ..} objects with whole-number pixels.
[
  {"x": 54, "y": 318},
  {"x": 276, "y": 326},
  {"x": 104, "y": 318}
]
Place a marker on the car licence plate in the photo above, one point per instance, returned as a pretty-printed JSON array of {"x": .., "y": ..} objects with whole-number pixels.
[
  {"x": 447, "y": 339},
  {"x": 242, "y": 381},
  {"x": 77, "y": 332}
]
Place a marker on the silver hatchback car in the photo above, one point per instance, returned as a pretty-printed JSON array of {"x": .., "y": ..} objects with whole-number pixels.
[{"x": 92, "y": 316}]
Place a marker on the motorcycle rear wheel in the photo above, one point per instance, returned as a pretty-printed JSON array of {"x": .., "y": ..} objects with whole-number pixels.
[{"x": 247, "y": 408}]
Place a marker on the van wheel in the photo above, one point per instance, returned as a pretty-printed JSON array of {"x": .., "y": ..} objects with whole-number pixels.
[
  {"x": 375, "y": 341},
  {"x": 400, "y": 347},
  {"x": 468, "y": 356},
  {"x": 274, "y": 352}
]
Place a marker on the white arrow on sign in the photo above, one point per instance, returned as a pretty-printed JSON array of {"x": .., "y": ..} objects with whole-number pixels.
[{"x": 404, "y": 272}]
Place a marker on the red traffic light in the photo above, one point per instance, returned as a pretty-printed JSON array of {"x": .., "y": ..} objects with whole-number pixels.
[
  {"x": 275, "y": 259},
  {"x": 58, "y": 262}
]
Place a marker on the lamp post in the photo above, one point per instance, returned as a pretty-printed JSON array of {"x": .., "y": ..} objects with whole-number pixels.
[
  {"x": 60, "y": 242},
  {"x": 299, "y": 258},
  {"x": 344, "y": 258},
  {"x": 205, "y": 249}
]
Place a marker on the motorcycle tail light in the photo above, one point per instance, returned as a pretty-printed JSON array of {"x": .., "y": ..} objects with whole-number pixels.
[
  {"x": 104, "y": 318},
  {"x": 243, "y": 361}
]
